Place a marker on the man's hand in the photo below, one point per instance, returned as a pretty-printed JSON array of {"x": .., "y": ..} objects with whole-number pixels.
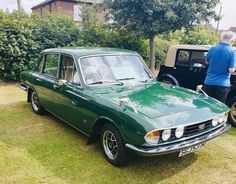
[{"x": 231, "y": 70}]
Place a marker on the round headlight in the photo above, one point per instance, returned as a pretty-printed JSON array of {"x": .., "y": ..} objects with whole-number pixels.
[
  {"x": 215, "y": 121},
  {"x": 166, "y": 134},
  {"x": 152, "y": 137},
  {"x": 179, "y": 132}
]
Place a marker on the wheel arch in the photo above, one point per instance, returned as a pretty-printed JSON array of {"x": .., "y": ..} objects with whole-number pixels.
[
  {"x": 97, "y": 127},
  {"x": 231, "y": 95},
  {"x": 165, "y": 75},
  {"x": 30, "y": 90}
]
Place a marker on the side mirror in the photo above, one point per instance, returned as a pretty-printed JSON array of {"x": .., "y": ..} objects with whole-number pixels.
[
  {"x": 199, "y": 88},
  {"x": 61, "y": 82},
  {"x": 197, "y": 65}
]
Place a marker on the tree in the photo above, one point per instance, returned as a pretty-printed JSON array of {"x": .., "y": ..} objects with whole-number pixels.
[{"x": 152, "y": 17}]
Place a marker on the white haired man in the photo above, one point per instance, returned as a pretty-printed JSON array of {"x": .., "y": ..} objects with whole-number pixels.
[{"x": 221, "y": 61}]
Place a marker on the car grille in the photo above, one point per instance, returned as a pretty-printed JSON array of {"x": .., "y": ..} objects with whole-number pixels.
[
  {"x": 191, "y": 130},
  {"x": 197, "y": 128}
]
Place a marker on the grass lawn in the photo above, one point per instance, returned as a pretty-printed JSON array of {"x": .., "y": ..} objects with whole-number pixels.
[{"x": 43, "y": 149}]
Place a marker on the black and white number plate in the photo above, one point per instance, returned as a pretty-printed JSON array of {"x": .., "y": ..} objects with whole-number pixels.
[{"x": 191, "y": 149}]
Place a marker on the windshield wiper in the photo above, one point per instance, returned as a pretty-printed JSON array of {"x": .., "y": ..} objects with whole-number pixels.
[
  {"x": 128, "y": 78},
  {"x": 105, "y": 81},
  {"x": 144, "y": 81}
]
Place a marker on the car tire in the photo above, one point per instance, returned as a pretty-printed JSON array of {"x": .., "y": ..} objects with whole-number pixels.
[
  {"x": 169, "y": 80},
  {"x": 232, "y": 115},
  {"x": 35, "y": 104},
  {"x": 112, "y": 146}
]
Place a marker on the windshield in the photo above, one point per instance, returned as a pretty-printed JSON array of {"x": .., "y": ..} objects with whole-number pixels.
[{"x": 98, "y": 70}]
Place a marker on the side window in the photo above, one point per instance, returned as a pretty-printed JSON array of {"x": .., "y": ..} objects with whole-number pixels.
[
  {"x": 40, "y": 64},
  {"x": 51, "y": 64},
  {"x": 67, "y": 67},
  {"x": 76, "y": 77},
  {"x": 183, "y": 58},
  {"x": 198, "y": 57},
  {"x": 68, "y": 70}
]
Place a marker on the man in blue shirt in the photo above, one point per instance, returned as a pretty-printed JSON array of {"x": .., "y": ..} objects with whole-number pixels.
[{"x": 222, "y": 62}]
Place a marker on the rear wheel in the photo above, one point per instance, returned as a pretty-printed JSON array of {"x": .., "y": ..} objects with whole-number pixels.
[
  {"x": 37, "y": 108},
  {"x": 112, "y": 145},
  {"x": 232, "y": 115}
]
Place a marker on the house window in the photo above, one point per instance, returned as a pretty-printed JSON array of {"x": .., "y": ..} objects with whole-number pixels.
[{"x": 78, "y": 14}]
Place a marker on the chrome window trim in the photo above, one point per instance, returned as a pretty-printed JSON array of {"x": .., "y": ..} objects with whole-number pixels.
[{"x": 115, "y": 54}]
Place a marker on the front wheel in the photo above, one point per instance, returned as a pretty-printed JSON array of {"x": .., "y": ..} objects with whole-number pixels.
[
  {"x": 37, "y": 108},
  {"x": 112, "y": 145}
]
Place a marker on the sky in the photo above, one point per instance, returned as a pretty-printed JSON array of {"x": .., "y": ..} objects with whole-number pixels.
[{"x": 228, "y": 10}]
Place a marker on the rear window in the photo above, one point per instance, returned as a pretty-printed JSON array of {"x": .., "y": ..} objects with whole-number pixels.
[{"x": 190, "y": 57}]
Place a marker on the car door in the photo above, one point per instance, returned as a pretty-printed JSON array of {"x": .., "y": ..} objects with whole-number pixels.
[
  {"x": 72, "y": 102},
  {"x": 46, "y": 80},
  {"x": 190, "y": 68}
]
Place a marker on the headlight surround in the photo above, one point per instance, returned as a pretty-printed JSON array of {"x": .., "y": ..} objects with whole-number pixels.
[
  {"x": 220, "y": 119},
  {"x": 179, "y": 132},
  {"x": 152, "y": 137},
  {"x": 166, "y": 134}
]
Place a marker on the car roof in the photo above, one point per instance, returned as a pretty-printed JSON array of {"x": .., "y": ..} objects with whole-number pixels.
[
  {"x": 89, "y": 51},
  {"x": 191, "y": 47},
  {"x": 171, "y": 55}
]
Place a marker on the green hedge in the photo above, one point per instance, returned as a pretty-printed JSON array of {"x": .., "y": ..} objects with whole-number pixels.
[{"x": 23, "y": 37}]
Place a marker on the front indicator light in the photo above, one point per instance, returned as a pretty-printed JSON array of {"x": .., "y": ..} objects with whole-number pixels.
[
  {"x": 226, "y": 116},
  {"x": 166, "y": 134},
  {"x": 152, "y": 137},
  {"x": 179, "y": 132}
]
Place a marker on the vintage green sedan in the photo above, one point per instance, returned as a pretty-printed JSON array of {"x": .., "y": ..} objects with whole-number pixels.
[{"x": 111, "y": 95}]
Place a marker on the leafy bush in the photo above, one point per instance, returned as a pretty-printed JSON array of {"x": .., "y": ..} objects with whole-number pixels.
[
  {"x": 17, "y": 46},
  {"x": 199, "y": 35},
  {"x": 23, "y": 37}
]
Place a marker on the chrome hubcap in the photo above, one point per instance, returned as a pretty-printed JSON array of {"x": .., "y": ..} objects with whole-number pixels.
[
  {"x": 110, "y": 144},
  {"x": 35, "y": 101},
  {"x": 233, "y": 112}
]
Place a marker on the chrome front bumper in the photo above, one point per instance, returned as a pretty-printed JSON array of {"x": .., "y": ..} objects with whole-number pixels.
[{"x": 176, "y": 147}]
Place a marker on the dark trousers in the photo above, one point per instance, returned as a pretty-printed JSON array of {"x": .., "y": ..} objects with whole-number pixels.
[{"x": 218, "y": 92}]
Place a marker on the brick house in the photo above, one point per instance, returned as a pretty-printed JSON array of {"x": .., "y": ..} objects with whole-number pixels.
[{"x": 71, "y": 8}]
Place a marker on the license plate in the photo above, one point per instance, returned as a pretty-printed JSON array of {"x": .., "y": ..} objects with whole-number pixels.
[{"x": 191, "y": 149}]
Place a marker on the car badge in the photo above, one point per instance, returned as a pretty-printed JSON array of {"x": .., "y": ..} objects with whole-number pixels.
[{"x": 201, "y": 127}]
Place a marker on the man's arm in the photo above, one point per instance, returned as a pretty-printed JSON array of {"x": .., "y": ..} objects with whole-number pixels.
[{"x": 232, "y": 62}]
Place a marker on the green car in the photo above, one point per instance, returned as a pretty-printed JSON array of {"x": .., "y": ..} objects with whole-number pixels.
[{"x": 111, "y": 95}]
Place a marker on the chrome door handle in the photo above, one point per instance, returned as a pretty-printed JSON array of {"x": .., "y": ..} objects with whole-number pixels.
[
  {"x": 74, "y": 102},
  {"x": 38, "y": 80},
  {"x": 55, "y": 86}
]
